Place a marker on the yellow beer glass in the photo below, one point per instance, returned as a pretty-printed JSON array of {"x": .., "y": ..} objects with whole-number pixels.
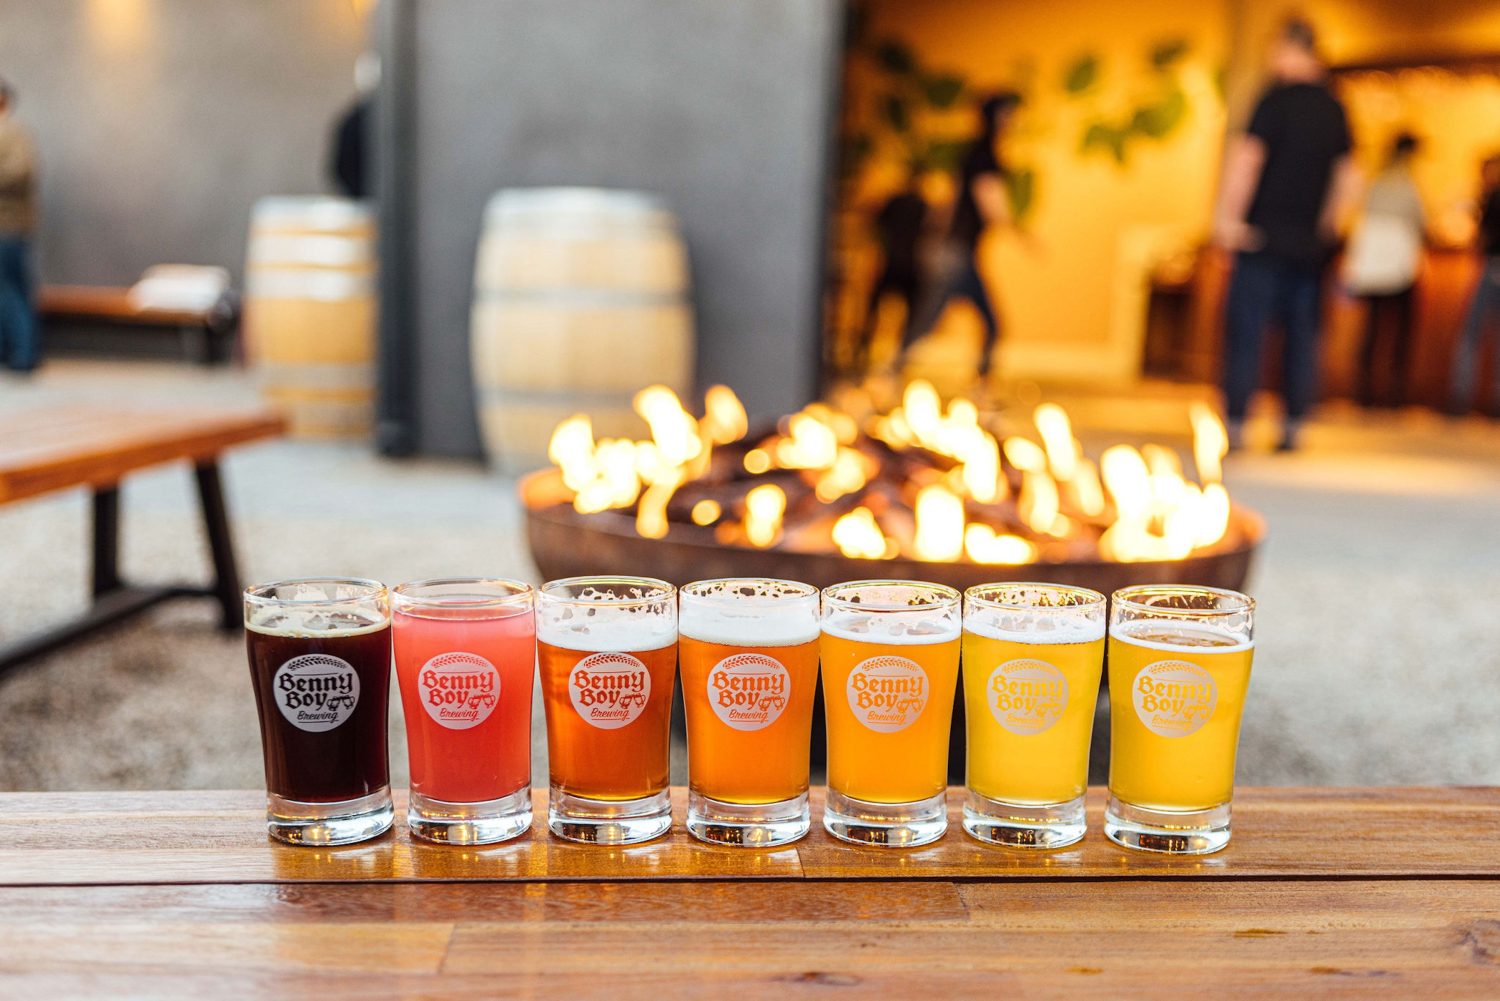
[
  {"x": 890, "y": 664},
  {"x": 1179, "y": 666},
  {"x": 1032, "y": 657}
]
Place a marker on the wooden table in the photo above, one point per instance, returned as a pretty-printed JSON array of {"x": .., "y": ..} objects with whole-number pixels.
[
  {"x": 52, "y": 449},
  {"x": 1334, "y": 892}
]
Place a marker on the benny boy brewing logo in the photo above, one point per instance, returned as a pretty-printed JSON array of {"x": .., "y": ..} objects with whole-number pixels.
[
  {"x": 609, "y": 690},
  {"x": 887, "y": 693},
  {"x": 316, "y": 692},
  {"x": 1027, "y": 696},
  {"x": 1174, "y": 698},
  {"x": 459, "y": 690},
  {"x": 748, "y": 691}
]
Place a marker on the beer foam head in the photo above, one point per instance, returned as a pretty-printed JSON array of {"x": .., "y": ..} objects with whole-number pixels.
[
  {"x": 1038, "y": 629},
  {"x": 749, "y": 612},
  {"x": 579, "y": 616},
  {"x": 903, "y": 613},
  {"x": 280, "y": 620},
  {"x": 1172, "y": 636},
  {"x": 317, "y": 606},
  {"x": 1034, "y": 613}
]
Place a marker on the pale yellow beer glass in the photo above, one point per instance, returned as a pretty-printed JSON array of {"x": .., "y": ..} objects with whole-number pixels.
[
  {"x": 1179, "y": 667},
  {"x": 1032, "y": 658},
  {"x": 890, "y": 665}
]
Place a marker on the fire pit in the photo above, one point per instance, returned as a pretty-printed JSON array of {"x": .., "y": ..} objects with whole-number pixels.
[{"x": 849, "y": 490}]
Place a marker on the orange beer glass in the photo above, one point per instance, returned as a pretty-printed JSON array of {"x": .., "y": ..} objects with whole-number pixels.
[
  {"x": 890, "y": 654},
  {"x": 607, "y": 655},
  {"x": 749, "y": 650}
]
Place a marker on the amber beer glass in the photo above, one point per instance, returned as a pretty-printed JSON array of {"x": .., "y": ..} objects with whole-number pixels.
[
  {"x": 1033, "y": 655},
  {"x": 607, "y": 654},
  {"x": 749, "y": 650},
  {"x": 1179, "y": 666},
  {"x": 890, "y": 664},
  {"x": 320, "y": 664}
]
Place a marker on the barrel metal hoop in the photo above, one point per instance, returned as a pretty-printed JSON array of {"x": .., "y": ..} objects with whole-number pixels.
[
  {"x": 573, "y": 295},
  {"x": 323, "y": 375},
  {"x": 324, "y": 286}
]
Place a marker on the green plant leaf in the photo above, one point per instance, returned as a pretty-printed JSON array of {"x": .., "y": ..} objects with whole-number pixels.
[
  {"x": 857, "y": 149},
  {"x": 1082, "y": 74},
  {"x": 893, "y": 110},
  {"x": 944, "y": 154},
  {"x": 1105, "y": 136},
  {"x": 895, "y": 57},
  {"x": 1158, "y": 120},
  {"x": 1167, "y": 51},
  {"x": 1020, "y": 185},
  {"x": 942, "y": 89}
]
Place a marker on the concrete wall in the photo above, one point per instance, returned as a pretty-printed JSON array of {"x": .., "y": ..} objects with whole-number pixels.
[
  {"x": 160, "y": 122},
  {"x": 721, "y": 106}
]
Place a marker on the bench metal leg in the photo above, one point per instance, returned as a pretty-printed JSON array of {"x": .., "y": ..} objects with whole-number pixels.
[
  {"x": 226, "y": 586},
  {"x": 106, "y": 540}
]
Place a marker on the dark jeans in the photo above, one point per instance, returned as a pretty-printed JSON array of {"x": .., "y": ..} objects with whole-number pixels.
[
  {"x": 1479, "y": 326},
  {"x": 1388, "y": 331},
  {"x": 958, "y": 277},
  {"x": 18, "y": 328},
  {"x": 1265, "y": 289}
]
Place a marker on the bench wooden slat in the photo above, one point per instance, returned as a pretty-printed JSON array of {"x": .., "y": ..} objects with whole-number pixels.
[{"x": 113, "y": 304}]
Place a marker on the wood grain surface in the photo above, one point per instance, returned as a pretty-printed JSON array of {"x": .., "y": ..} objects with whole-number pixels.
[
  {"x": 219, "y": 837},
  {"x": 62, "y": 447}
]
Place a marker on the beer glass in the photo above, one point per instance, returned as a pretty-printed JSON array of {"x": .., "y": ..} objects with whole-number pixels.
[
  {"x": 465, "y": 657},
  {"x": 749, "y": 651},
  {"x": 607, "y": 650},
  {"x": 1033, "y": 654},
  {"x": 320, "y": 662},
  {"x": 1179, "y": 665},
  {"x": 890, "y": 664}
]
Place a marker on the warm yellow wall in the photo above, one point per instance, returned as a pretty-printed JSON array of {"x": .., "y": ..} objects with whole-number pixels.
[{"x": 1056, "y": 288}]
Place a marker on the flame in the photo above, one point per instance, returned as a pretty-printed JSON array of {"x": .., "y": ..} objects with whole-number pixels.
[
  {"x": 940, "y": 524},
  {"x": 858, "y": 536},
  {"x": 764, "y": 507},
  {"x": 983, "y": 545},
  {"x": 1138, "y": 503},
  {"x": 1210, "y": 444}
]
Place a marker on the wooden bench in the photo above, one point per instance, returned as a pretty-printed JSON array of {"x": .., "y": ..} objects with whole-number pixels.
[
  {"x": 57, "y": 449},
  {"x": 205, "y": 333}
]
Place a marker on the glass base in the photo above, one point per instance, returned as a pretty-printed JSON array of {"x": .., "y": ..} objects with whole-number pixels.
[
  {"x": 892, "y": 825},
  {"x": 760, "y": 825},
  {"x": 1175, "y": 832},
  {"x": 484, "y": 823},
  {"x": 322, "y": 824},
  {"x": 608, "y": 822},
  {"x": 1051, "y": 825}
]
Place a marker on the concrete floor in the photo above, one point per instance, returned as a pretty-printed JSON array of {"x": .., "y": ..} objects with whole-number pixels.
[{"x": 1378, "y": 658}]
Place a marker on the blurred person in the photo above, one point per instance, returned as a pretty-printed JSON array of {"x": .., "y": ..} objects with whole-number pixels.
[
  {"x": 1380, "y": 269},
  {"x": 19, "y": 337},
  {"x": 1288, "y": 180},
  {"x": 898, "y": 229},
  {"x": 1479, "y": 325},
  {"x": 981, "y": 202},
  {"x": 349, "y": 155}
]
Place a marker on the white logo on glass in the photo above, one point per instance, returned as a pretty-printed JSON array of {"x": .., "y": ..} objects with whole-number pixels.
[
  {"x": 459, "y": 690},
  {"x": 1174, "y": 698},
  {"x": 1026, "y": 696},
  {"x": 887, "y": 693},
  {"x": 316, "y": 692},
  {"x": 609, "y": 690}
]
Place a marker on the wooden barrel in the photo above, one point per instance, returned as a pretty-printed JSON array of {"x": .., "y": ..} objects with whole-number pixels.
[
  {"x": 580, "y": 300},
  {"x": 310, "y": 309}
]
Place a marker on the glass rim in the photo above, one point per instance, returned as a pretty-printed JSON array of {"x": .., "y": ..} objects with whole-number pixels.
[
  {"x": 946, "y": 597},
  {"x": 1239, "y": 602},
  {"x": 401, "y": 596},
  {"x": 255, "y": 593},
  {"x": 1095, "y": 599},
  {"x": 803, "y": 590},
  {"x": 665, "y": 591}
]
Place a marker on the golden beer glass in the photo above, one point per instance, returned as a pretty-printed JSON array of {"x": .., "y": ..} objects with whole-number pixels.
[
  {"x": 607, "y": 657},
  {"x": 749, "y": 656},
  {"x": 890, "y": 665},
  {"x": 1179, "y": 667},
  {"x": 1032, "y": 658}
]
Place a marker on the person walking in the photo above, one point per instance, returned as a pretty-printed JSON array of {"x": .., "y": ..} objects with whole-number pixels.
[
  {"x": 1479, "y": 326},
  {"x": 1380, "y": 268},
  {"x": 981, "y": 203},
  {"x": 1287, "y": 182},
  {"x": 898, "y": 228},
  {"x": 19, "y": 347}
]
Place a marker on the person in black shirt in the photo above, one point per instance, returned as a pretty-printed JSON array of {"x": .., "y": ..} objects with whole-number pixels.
[
  {"x": 1287, "y": 182},
  {"x": 348, "y": 160},
  {"x": 1483, "y": 305},
  {"x": 981, "y": 202},
  {"x": 898, "y": 228}
]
